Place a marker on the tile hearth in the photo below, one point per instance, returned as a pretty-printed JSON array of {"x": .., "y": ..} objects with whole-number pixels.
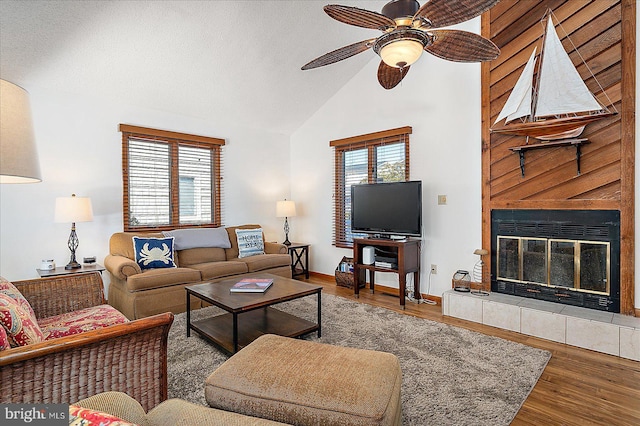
[{"x": 600, "y": 331}]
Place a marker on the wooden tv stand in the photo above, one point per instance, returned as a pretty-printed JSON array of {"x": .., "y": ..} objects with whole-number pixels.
[{"x": 406, "y": 254}]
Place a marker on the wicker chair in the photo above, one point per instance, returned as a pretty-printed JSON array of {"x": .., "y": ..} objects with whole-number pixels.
[{"x": 129, "y": 357}]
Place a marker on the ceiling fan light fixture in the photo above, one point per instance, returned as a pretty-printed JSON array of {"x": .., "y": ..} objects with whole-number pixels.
[
  {"x": 402, "y": 47},
  {"x": 401, "y": 53}
]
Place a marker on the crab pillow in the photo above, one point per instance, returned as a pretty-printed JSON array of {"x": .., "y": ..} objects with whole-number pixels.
[{"x": 152, "y": 253}]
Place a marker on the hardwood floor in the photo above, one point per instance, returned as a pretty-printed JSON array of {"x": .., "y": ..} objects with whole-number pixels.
[{"x": 578, "y": 386}]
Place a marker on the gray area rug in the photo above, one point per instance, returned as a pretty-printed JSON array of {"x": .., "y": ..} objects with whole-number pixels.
[{"x": 451, "y": 376}]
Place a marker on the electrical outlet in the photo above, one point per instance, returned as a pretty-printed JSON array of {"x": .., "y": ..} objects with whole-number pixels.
[
  {"x": 434, "y": 269},
  {"x": 442, "y": 200}
]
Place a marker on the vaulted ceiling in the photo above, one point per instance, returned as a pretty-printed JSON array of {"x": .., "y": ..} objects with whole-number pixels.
[{"x": 223, "y": 61}]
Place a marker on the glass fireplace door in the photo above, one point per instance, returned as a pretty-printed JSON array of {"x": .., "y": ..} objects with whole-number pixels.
[
  {"x": 562, "y": 263},
  {"x": 594, "y": 267},
  {"x": 534, "y": 260}
]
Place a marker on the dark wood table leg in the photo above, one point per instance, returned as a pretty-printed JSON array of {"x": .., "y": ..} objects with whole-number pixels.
[
  {"x": 372, "y": 276},
  {"x": 356, "y": 281},
  {"x": 306, "y": 262},
  {"x": 320, "y": 313},
  {"x": 235, "y": 332},
  {"x": 416, "y": 286},
  {"x": 188, "y": 315},
  {"x": 403, "y": 286}
]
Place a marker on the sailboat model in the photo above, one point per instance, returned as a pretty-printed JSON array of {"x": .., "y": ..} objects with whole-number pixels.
[{"x": 554, "y": 103}]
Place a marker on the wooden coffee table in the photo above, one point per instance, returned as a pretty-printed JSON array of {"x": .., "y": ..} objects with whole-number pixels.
[{"x": 250, "y": 315}]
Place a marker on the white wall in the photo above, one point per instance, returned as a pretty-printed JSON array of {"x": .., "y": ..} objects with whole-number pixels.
[
  {"x": 440, "y": 100},
  {"x": 80, "y": 152}
]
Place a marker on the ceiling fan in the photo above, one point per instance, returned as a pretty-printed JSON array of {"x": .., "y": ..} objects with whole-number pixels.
[{"x": 408, "y": 29}]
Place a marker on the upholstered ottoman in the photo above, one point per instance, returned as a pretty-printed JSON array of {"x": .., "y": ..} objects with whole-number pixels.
[{"x": 307, "y": 383}]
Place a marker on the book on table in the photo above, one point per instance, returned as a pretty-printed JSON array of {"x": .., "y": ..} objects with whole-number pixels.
[{"x": 252, "y": 285}]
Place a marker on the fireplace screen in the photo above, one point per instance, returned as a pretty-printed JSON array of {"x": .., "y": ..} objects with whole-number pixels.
[
  {"x": 572, "y": 264},
  {"x": 563, "y": 256}
]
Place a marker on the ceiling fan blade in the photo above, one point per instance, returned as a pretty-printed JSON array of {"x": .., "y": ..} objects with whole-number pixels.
[
  {"x": 442, "y": 13},
  {"x": 462, "y": 46},
  {"x": 359, "y": 17},
  {"x": 339, "y": 54},
  {"x": 389, "y": 77}
]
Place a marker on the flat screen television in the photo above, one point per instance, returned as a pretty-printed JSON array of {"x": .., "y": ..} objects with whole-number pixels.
[{"x": 387, "y": 209}]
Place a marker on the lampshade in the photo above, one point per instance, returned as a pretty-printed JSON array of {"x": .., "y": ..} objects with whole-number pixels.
[
  {"x": 285, "y": 209},
  {"x": 73, "y": 209},
  {"x": 401, "y": 53},
  {"x": 18, "y": 155}
]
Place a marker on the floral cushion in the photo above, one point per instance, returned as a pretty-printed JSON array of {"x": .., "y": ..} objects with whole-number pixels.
[
  {"x": 80, "y": 321},
  {"x": 10, "y": 290},
  {"x": 80, "y": 416},
  {"x": 4, "y": 339},
  {"x": 20, "y": 325}
]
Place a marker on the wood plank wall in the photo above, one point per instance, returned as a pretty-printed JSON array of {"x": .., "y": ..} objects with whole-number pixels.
[{"x": 604, "y": 33}]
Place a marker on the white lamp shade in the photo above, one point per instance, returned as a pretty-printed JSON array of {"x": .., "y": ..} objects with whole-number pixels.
[
  {"x": 18, "y": 155},
  {"x": 285, "y": 209},
  {"x": 73, "y": 209},
  {"x": 401, "y": 53}
]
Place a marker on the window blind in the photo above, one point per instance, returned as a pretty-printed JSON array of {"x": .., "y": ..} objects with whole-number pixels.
[
  {"x": 170, "y": 180},
  {"x": 149, "y": 183},
  {"x": 372, "y": 158},
  {"x": 195, "y": 171}
]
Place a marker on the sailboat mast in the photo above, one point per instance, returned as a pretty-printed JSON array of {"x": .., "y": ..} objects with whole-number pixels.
[{"x": 536, "y": 85}]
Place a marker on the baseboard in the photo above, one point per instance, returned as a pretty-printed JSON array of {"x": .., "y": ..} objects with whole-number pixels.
[
  {"x": 323, "y": 277},
  {"x": 377, "y": 287}
]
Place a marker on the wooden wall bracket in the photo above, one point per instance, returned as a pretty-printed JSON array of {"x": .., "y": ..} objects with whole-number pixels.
[{"x": 563, "y": 142}]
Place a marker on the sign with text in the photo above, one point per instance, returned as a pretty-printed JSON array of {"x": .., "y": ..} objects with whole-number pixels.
[{"x": 34, "y": 414}]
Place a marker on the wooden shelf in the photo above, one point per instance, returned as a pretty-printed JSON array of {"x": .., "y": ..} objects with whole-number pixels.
[
  {"x": 407, "y": 255},
  {"x": 554, "y": 144}
]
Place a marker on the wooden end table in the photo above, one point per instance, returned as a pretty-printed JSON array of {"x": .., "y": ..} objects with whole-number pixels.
[
  {"x": 250, "y": 315},
  {"x": 299, "y": 259},
  {"x": 86, "y": 268}
]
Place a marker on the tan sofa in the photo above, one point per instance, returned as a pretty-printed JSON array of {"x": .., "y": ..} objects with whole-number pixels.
[{"x": 137, "y": 293}]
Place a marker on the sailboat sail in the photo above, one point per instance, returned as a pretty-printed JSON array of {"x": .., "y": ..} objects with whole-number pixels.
[
  {"x": 561, "y": 104},
  {"x": 519, "y": 102},
  {"x": 561, "y": 89}
]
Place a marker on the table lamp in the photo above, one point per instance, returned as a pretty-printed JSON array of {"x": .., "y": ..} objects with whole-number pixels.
[
  {"x": 18, "y": 154},
  {"x": 73, "y": 209},
  {"x": 286, "y": 209}
]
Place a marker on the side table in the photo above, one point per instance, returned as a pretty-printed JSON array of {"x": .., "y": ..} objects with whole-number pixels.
[
  {"x": 94, "y": 267},
  {"x": 299, "y": 259}
]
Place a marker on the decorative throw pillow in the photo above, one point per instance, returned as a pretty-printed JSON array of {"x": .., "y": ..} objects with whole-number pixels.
[
  {"x": 80, "y": 416},
  {"x": 11, "y": 290},
  {"x": 250, "y": 242},
  {"x": 22, "y": 328},
  {"x": 154, "y": 253},
  {"x": 199, "y": 237},
  {"x": 4, "y": 339}
]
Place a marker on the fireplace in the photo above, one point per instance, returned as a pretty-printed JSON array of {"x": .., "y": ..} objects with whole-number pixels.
[{"x": 564, "y": 256}]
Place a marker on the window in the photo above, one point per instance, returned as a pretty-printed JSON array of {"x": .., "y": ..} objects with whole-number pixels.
[
  {"x": 170, "y": 180},
  {"x": 371, "y": 158}
]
